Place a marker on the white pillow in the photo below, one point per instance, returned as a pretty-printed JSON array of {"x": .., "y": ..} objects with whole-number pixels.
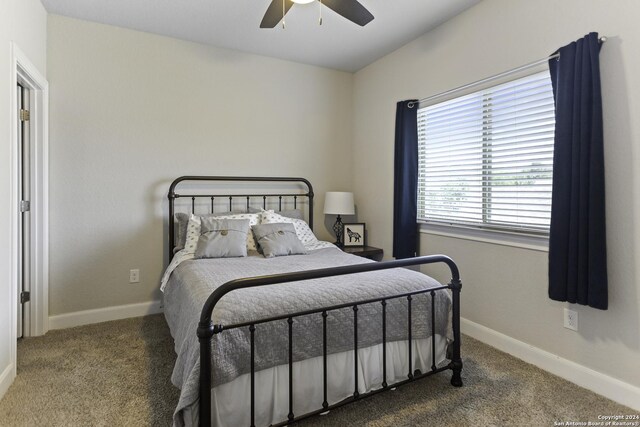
[
  {"x": 193, "y": 233},
  {"x": 303, "y": 231},
  {"x": 193, "y": 230}
]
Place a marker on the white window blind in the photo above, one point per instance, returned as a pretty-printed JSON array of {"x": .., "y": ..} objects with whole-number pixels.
[{"x": 486, "y": 159}]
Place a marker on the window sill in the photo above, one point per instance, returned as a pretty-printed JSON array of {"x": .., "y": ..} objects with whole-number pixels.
[{"x": 487, "y": 236}]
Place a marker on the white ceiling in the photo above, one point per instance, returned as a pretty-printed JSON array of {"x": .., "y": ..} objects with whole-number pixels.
[{"x": 234, "y": 24}]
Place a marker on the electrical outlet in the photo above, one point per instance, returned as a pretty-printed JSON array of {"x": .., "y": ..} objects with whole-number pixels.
[
  {"x": 570, "y": 319},
  {"x": 134, "y": 276}
]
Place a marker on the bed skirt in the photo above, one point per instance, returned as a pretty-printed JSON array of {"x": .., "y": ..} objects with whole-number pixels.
[{"x": 230, "y": 402}]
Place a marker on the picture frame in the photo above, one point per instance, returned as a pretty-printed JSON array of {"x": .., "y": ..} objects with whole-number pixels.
[{"x": 353, "y": 234}]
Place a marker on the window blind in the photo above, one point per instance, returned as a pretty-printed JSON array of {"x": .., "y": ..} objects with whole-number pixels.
[{"x": 486, "y": 159}]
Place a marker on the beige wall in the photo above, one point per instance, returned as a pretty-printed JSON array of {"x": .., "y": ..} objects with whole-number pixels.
[
  {"x": 25, "y": 23},
  {"x": 131, "y": 111},
  {"x": 505, "y": 287}
]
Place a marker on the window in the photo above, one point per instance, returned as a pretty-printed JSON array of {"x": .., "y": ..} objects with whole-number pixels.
[{"x": 486, "y": 159}]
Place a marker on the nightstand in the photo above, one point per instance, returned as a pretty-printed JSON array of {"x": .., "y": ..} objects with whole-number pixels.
[{"x": 365, "y": 252}]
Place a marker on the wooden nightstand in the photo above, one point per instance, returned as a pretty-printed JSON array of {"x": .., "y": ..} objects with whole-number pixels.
[{"x": 365, "y": 252}]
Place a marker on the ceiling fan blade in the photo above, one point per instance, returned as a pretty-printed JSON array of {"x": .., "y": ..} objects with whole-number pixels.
[
  {"x": 350, "y": 9},
  {"x": 274, "y": 13}
]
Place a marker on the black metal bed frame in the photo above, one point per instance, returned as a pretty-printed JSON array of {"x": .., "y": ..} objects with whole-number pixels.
[{"x": 207, "y": 329}]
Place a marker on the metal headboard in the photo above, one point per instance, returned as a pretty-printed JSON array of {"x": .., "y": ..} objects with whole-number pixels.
[{"x": 173, "y": 196}]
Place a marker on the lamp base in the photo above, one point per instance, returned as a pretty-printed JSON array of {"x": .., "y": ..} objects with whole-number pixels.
[{"x": 337, "y": 228}]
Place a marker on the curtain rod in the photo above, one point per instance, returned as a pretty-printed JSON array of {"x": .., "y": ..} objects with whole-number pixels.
[{"x": 489, "y": 79}]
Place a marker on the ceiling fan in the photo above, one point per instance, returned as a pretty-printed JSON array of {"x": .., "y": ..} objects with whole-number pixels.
[{"x": 350, "y": 9}]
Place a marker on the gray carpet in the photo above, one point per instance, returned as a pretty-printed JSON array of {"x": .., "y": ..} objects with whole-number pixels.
[{"x": 118, "y": 374}]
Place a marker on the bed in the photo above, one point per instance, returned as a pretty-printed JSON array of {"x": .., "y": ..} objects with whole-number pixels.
[{"x": 269, "y": 341}]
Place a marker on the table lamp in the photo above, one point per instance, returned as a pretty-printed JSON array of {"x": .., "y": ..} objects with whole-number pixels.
[{"x": 338, "y": 203}]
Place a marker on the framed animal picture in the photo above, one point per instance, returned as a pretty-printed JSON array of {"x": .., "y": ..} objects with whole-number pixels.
[{"x": 353, "y": 234}]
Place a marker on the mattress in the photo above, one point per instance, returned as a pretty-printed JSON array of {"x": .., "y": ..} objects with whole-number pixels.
[{"x": 192, "y": 281}]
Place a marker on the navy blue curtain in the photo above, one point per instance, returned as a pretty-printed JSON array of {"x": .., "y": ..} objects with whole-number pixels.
[
  {"x": 577, "y": 240},
  {"x": 405, "y": 183}
]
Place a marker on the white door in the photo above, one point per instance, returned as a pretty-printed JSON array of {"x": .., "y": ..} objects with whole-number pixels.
[{"x": 24, "y": 249}]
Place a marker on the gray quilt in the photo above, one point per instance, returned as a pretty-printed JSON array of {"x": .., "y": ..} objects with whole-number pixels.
[{"x": 193, "y": 281}]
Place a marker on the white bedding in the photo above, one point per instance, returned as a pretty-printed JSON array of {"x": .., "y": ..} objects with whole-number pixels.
[{"x": 230, "y": 402}]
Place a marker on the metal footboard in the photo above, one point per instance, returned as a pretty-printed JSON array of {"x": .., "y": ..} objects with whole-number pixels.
[{"x": 206, "y": 331}]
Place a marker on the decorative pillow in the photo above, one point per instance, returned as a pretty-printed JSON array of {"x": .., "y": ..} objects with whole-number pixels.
[
  {"x": 180, "y": 228},
  {"x": 254, "y": 219},
  {"x": 278, "y": 240},
  {"x": 222, "y": 238},
  {"x": 303, "y": 231},
  {"x": 191, "y": 239}
]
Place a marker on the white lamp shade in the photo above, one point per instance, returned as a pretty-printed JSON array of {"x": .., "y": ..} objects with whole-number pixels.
[{"x": 339, "y": 203}]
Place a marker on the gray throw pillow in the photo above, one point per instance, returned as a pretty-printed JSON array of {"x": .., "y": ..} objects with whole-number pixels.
[
  {"x": 222, "y": 238},
  {"x": 182, "y": 221},
  {"x": 278, "y": 240}
]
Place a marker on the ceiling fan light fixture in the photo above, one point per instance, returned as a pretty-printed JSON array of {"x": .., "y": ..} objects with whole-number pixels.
[{"x": 351, "y": 10}]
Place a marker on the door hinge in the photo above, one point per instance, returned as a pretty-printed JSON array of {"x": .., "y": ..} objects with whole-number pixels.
[
  {"x": 25, "y": 297},
  {"x": 25, "y": 206},
  {"x": 24, "y": 115}
]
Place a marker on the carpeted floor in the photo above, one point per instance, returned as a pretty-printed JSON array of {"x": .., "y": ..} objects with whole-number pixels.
[{"x": 118, "y": 374}]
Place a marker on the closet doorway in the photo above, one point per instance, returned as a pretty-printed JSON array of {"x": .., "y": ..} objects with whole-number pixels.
[{"x": 29, "y": 199}]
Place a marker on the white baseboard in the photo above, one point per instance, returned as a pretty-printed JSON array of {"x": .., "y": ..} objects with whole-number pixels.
[
  {"x": 6, "y": 379},
  {"x": 604, "y": 385},
  {"x": 87, "y": 317}
]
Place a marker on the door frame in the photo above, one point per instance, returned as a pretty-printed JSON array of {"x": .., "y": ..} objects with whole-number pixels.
[{"x": 24, "y": 72}]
